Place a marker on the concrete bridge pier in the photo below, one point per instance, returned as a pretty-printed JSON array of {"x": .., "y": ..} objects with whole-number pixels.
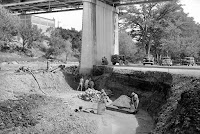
[
  {"x": 100, "y": 34},
  {"x": 116, "y": 29},
  {"x": 88, "y": 51}
]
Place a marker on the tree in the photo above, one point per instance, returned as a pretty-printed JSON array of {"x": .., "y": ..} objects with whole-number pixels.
[
  {"x": 29, "y": 33},
  {"x": 144, "y": 22},
  {"x": 58, "y": 45},
  {"x": 127, "y": 46},
  {"x": 74, "y": 36},
  {"x": 181, "y": 36},
  {"x": 8, "y": 25},
  {"x": 162, "y": 29}
]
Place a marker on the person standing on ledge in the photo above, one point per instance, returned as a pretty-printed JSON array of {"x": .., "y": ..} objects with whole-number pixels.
[
  {"x": 91, "y": 83},
  {"x": 134, "y": 102},
  {"x": 86, "y": 83},
  {"x": 80, "y": 85}
]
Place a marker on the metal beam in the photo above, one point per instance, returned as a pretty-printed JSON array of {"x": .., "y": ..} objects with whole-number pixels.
[
  {"x": 44, "y": 5},
  {"x": 27, "y": 6},
  {"x": 39, "y": 2},
  {"x": 25, "y": 3},
  {"x": 50, "y": 5},
  {"x": 110, "y": 2},
  {"x": 54, "y": 11},
  {"x": 133, "y": 2}
]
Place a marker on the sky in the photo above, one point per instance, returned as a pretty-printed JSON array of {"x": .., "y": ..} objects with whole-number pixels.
[
  {"x": 193, "y": 8},
  {"x": 73, "y": 19},
  {"x": 67, "y": 19}
]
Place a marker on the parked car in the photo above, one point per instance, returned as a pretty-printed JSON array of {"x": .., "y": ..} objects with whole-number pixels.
[
  {"x": 188, "y": 61},
  {"x": 166, "y": 61},
  {"x": 121, "y": 59},
  {"x": 148, "y": 59}
]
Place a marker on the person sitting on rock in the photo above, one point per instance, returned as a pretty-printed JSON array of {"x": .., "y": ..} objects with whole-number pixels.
[
  {"x": 81, "y": 84},
  {"x": 134, "y": 102}
]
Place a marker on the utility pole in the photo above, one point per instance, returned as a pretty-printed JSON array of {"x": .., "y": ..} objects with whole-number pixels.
[{"x": 58, "y": 23}]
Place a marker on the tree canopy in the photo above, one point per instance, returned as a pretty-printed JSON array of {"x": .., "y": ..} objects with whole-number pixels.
[
  {"x": 8, "y": 24},
  {"x": 161, "y": 29},
  {"x": 58, "y": 45},
  {"x": 126, "y": 46},
  {"x": 29, "y": 33},
  {"x": 73, "y": 35}
]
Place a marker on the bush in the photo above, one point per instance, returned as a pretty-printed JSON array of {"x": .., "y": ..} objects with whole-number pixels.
[
  {"x": 186, "y": 119},
  {"x": 4, "y": 46}
]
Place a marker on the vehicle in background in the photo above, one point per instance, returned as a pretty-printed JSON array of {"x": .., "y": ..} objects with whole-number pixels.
[
  {"x": 166, "y": 61},
  {"x": 188, "y": 61},
  {"x": 148, "y": 59},
  {"x": 121, "y": 59}
]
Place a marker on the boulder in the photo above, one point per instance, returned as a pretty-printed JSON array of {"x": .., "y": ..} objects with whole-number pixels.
[{"x": 123, "y": 101}]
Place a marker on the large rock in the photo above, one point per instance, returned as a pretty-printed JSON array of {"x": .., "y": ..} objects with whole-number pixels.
[{"x": 123, "y": 101}]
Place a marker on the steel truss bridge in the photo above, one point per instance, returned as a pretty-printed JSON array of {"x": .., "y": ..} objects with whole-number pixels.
[{"x": 48, "y": 6}]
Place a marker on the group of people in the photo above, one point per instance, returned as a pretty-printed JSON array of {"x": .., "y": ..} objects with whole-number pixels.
[
  {"x": 87, "y": 83},
  {"x": 104, "y": 101}
]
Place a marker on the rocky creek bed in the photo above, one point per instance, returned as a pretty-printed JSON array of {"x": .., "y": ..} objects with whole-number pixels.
[{"x": 172, "y": 100}]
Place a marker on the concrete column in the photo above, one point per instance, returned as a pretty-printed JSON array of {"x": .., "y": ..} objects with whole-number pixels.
[
  {"x": 105, "y": 31},
  {"x": 116, "y": 30},
  {"x": 88, "y": 37},
  {"x": 100, "y": 34}
]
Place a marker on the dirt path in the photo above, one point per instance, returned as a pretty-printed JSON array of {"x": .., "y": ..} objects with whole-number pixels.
[{"x": 112, "y": 122}]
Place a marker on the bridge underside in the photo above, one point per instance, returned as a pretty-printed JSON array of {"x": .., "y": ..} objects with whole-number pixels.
[
  {"x": 46, "y": 6},
  {"x": 43, "y": 6}
]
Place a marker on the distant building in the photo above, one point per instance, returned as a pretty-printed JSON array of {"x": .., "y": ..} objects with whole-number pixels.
[{"x": 40, "y": 22}]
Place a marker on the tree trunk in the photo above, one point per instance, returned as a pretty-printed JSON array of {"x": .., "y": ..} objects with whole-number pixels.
[
  {"x": 147, "y": 48},
  {"x": 23, "y": 46},
  {"x": 67, "y": 54}
]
